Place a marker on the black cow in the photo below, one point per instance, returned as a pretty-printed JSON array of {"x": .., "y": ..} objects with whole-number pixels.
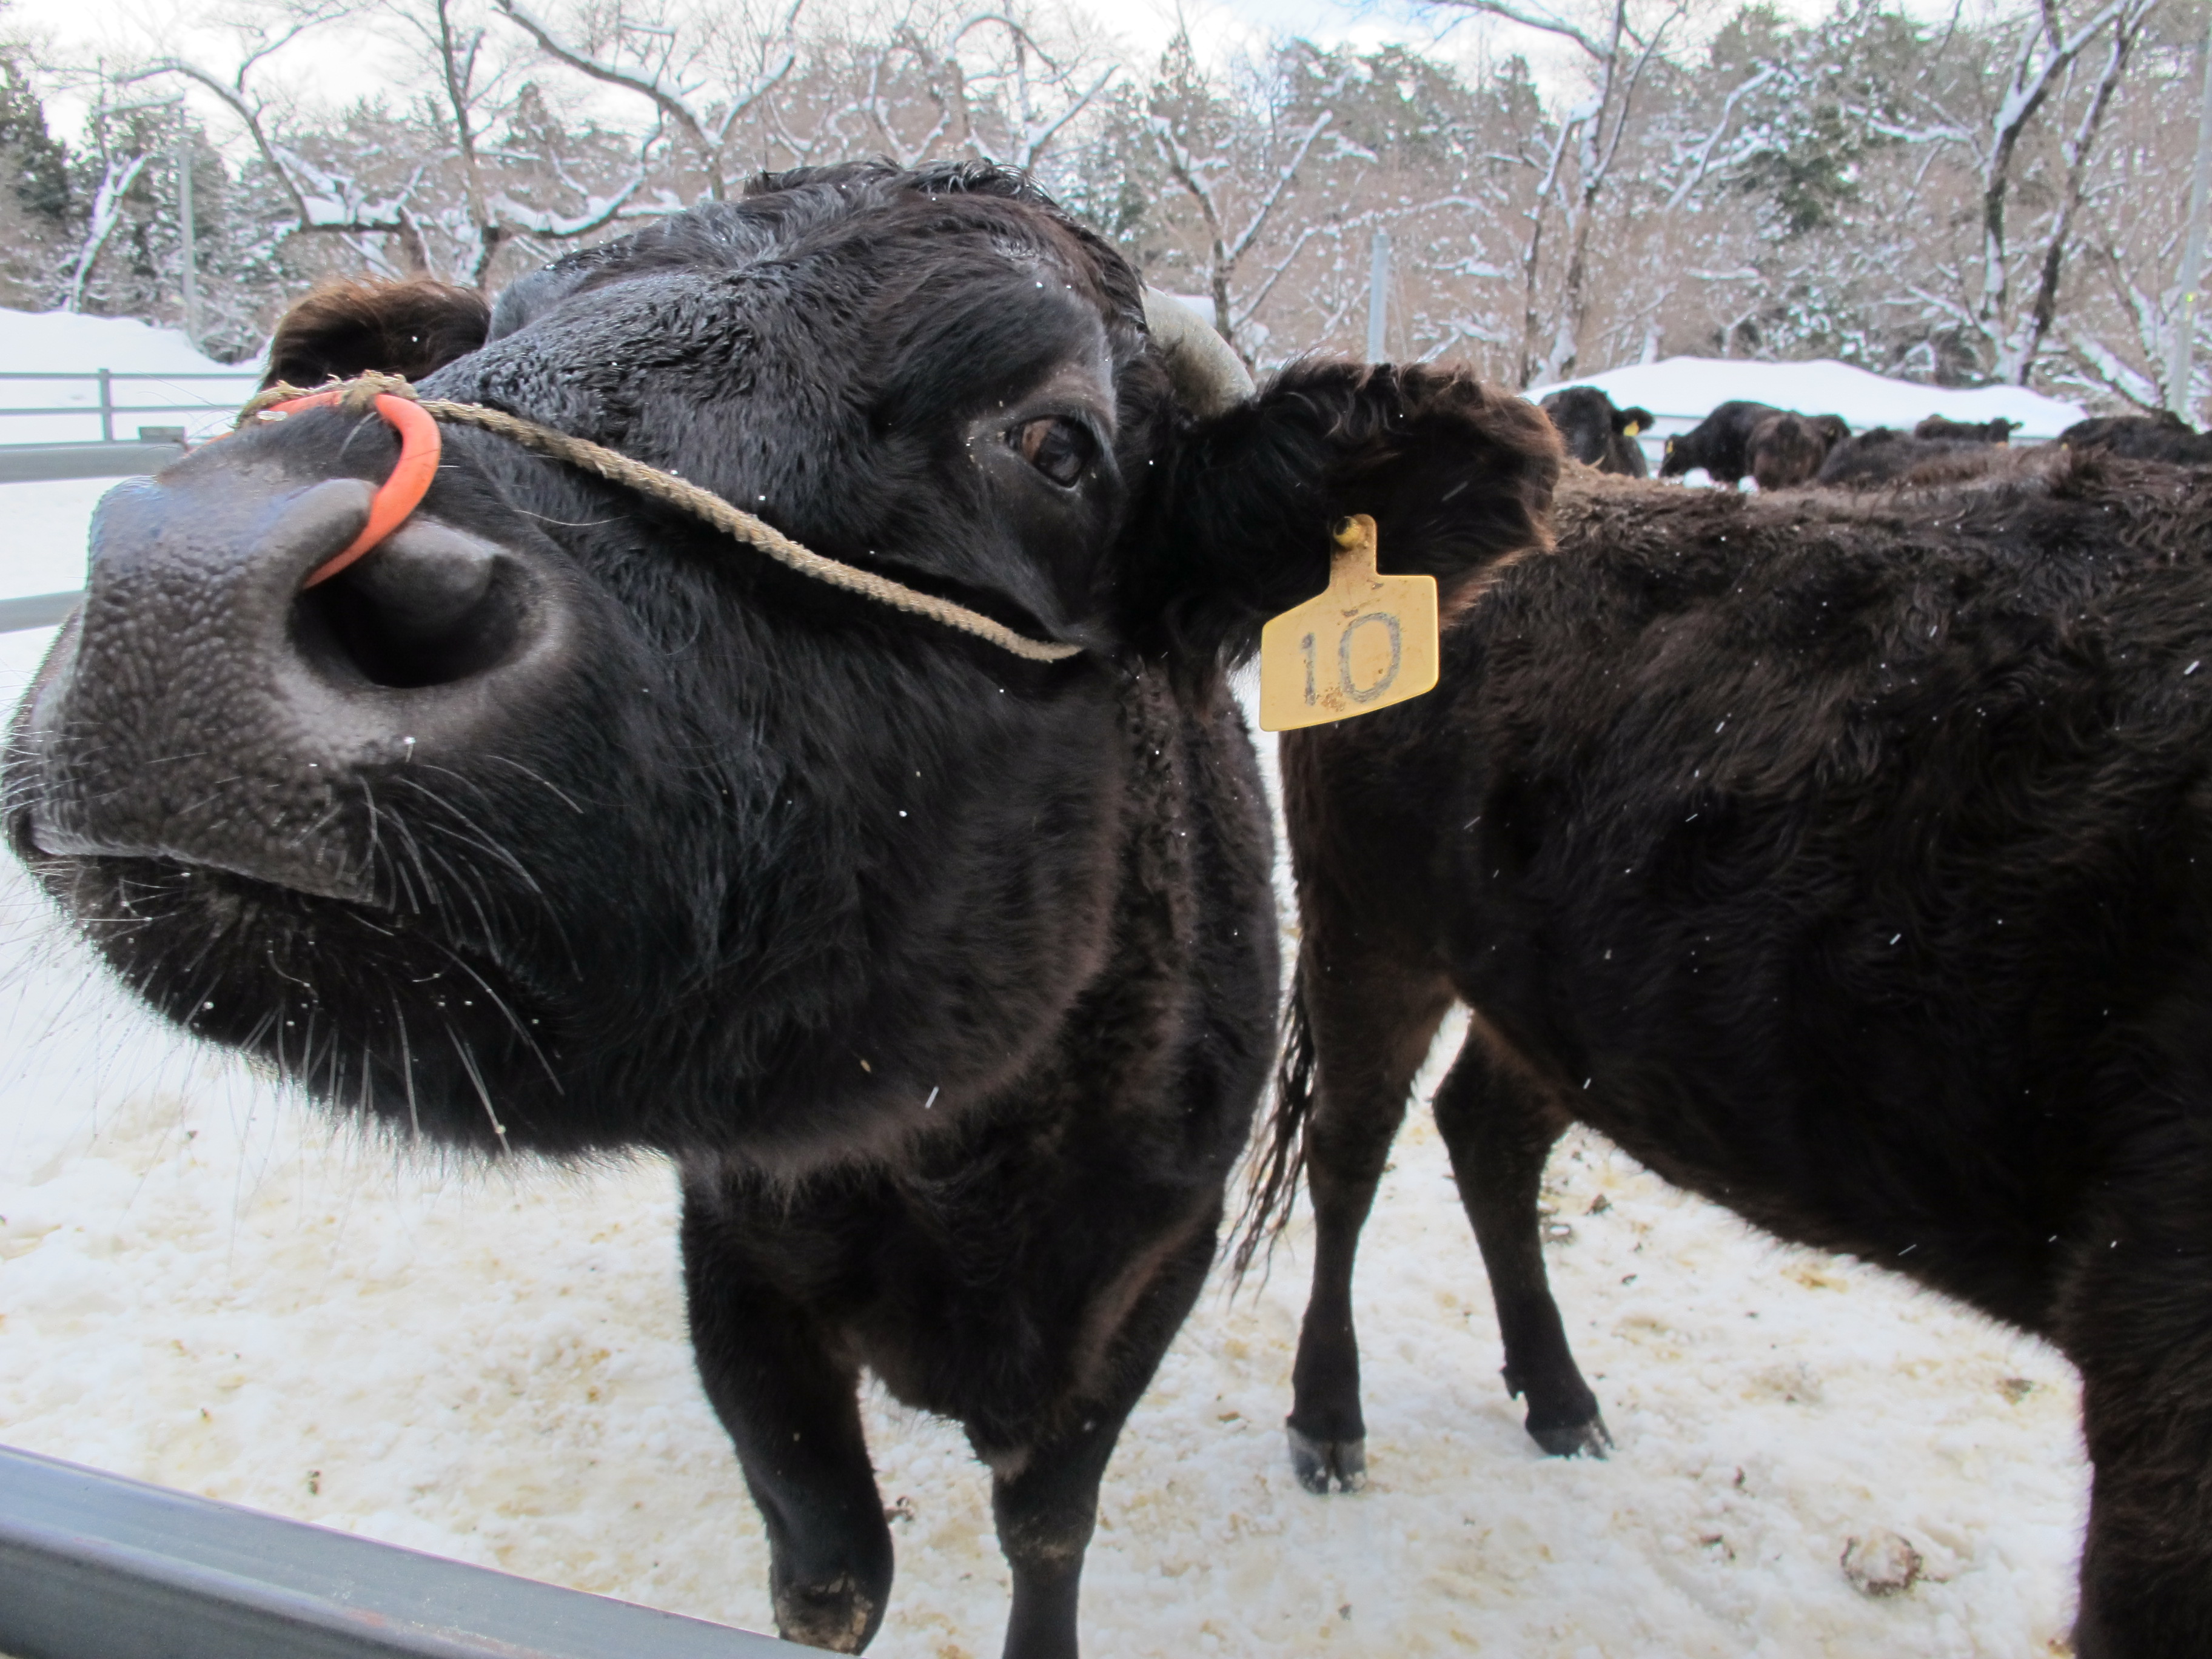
[
  {"x": 1998, "y": 431},
  {"x": 1885, "y": 458},
  {"x": 2164, "y": 436},
  {"x": 1596, "y": 433},
  {"x": 1721, "y": 443},
  {"x": 562, "y": 823},
  {"x": 1850, "y": 863}
]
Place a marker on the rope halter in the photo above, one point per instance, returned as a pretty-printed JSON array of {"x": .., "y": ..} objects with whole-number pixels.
[{"x": 417, "y": 419}]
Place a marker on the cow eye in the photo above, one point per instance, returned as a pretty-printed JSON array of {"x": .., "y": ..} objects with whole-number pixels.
[{"x": 1058, "y": 448}]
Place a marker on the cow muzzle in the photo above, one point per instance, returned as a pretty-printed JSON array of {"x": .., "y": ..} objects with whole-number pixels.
[{"x": 210, "y": 707}]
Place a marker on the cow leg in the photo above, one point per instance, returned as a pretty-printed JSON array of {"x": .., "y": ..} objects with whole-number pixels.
[
  {"x": 2138, "y": 1324},
  {"x": 1372, "y": 1022},
  {"x": 791, "y": 1409},
  {"x": 1045, "y": 1495},
  {"x": 1499, "y": 1127}
]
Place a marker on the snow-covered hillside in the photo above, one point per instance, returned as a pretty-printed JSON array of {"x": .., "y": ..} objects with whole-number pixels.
[{"x": 202, "y": 1283}]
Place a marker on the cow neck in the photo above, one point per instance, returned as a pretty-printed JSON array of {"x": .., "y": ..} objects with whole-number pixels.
[{"x": 415, "y": 418}]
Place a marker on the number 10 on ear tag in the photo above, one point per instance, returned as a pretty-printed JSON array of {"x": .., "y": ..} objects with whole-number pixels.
[{"x": 1365, "y": 642}]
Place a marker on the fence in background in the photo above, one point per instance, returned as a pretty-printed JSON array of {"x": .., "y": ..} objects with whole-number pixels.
[{"x": 107, "y": 381}]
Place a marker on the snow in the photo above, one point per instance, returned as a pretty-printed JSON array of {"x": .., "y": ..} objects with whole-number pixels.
[
  {"x": 1682, "y": 391},
  {"x": 43, "y": 549},
  {"x": 206, "y": 1284}
]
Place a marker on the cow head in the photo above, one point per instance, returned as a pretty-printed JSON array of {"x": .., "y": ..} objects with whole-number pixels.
[{"x": 562, "y": 821}]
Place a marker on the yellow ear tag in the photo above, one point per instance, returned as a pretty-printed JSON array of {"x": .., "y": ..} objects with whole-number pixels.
[
  {"x": 1364, "y": 643},
  {"x": 1631, "y": 428}
]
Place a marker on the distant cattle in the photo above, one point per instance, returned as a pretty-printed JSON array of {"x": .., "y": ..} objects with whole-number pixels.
[
  {"x": 1847, "y": 862},
  {"x": 935, "y": 948},
  {"x": 1596, "y": 433},
  {"x": 1998, "y": 431},
  {"x": 1788, "y": 449},
  {"x": 2161, "y": 437},
  {"x": 1721, "y": 443},
  {"x": 1884, "y": 458}
]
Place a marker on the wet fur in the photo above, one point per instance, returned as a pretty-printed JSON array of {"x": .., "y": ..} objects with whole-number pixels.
[{"x": 2163, "y": 436}]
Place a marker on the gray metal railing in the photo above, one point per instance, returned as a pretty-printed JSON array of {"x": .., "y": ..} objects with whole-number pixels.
[
  {"x": 94, "y": 1566},
  {"x": 37, "y": 462},
  {"x": 107, "y": 408}
]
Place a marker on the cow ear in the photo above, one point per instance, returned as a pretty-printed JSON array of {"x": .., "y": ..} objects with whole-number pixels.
[
  {"x": 406, "y": 328},
  {"x": 1630, "y": 421},
  {"x": 1454, "y": 473}
]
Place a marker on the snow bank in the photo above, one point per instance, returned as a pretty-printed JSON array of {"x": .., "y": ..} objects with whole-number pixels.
[
  {"x": 204, "y": 1285},
  {"x": 71, "y": 343},
  {"x": 1683, "y": 391}
]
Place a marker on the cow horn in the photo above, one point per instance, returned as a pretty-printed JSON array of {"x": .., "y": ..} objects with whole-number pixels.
[{"x": 1206, "y": 372}]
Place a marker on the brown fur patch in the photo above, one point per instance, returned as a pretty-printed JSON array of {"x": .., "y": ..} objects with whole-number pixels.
[{"x": 407, "y": 328}]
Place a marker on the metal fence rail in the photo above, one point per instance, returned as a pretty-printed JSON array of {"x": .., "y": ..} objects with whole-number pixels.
[
  {"x": 108, "y": 380},
  {"x": 39, "y": 463},
  {"x": 94, "y": 1566}
]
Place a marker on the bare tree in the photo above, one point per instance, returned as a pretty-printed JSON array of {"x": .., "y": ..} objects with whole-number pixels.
[
  {"x": 1236, "y": 174},
  {"x": 1617, "y": 51},
  {"x": 695, "y": 82},
  {"x": 2041, "y": 66},
  {"x": 452, "y": 184}
]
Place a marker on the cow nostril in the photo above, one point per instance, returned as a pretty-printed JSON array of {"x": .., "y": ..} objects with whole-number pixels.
[{"x": 430, "y": 606}]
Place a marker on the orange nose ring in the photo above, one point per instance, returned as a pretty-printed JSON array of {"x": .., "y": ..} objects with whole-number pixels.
[{"x": 398, "y": 494}]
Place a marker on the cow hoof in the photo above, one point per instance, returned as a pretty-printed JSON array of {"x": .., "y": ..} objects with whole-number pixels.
[
  {"x": 837, "y": 1616},
  {"x": 1327, "y": 1466},
  {"x": 1588, "y": 1439}
]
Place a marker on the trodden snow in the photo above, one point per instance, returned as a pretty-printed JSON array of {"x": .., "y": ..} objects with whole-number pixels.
[{"x": 204, "y": 1283}]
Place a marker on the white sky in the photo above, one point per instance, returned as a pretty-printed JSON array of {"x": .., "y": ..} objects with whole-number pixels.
[{"x": 339, "y": 63}]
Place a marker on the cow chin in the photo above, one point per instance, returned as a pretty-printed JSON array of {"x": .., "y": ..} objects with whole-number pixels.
[
  {"x": 372, "y": 1012},
  {"x": 280, "y": 837}
]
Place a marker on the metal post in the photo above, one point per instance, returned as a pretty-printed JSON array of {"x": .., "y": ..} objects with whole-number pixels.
[
  {"x": 1378, "y": 298},
  {"x": 187, "y": 255},
  {"x": 106, "y": 409},
  {"x": 2193, "y": 252}
]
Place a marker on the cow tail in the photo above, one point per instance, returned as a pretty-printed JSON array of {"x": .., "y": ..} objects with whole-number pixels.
[{"x": 1278, "y": 1166}]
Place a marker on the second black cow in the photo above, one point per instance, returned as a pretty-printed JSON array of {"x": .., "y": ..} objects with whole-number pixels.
[{"x": 1847, "y": 861}]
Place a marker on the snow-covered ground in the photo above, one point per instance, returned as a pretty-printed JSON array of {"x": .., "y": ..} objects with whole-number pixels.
[{"x": 204, "y": 1283}]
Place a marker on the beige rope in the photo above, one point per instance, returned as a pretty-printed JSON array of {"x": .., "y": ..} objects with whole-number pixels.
[{"x": 359, "y": 395}]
